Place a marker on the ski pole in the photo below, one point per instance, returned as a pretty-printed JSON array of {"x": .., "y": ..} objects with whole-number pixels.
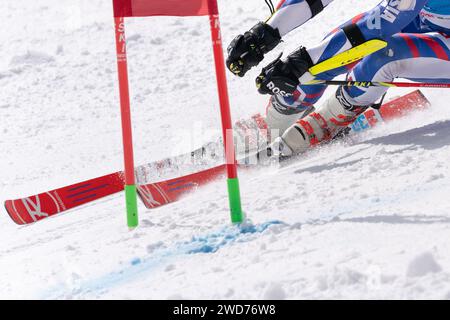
[{"x": 367, "y": 84}]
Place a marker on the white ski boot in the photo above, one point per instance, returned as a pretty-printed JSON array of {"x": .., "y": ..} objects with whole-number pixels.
[
  {"x": 258, "y": 132},
  {"x": 330, "y": 119}
]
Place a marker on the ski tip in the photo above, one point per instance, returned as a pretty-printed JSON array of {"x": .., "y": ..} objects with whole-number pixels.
[
  {"x": 423, "y": 97},
  {"x": 13, "y": 214}
]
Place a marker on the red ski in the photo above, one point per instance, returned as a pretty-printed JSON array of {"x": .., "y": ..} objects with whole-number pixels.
[
  {"x": 394, "y": 109},
  {"x": 43, "y": 205},
  {"x": 161, "y": 193}
]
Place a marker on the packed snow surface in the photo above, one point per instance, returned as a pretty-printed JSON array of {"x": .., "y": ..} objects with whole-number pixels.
[{"x": 367, "y": 219}]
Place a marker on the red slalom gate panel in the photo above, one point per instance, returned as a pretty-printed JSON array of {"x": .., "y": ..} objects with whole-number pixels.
[
  {"x": 157, "y": 194},
  {"x": 396, "y": 108},
  {"x": 41, "y": 206},
  {"x": 147, "y": 8}
]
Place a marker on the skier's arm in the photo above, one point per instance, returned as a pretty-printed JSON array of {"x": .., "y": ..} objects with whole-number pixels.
[
  {"x": 291, "y": 14},
  {"x": 247, "y": 50}
]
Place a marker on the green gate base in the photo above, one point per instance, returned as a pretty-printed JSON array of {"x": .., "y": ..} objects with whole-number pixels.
[
  {"x": 234, "y": 195},
  {"x": 132, "y": 211}
]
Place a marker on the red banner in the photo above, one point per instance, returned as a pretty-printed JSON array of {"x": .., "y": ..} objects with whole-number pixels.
[{"x": 145, "y": 8}]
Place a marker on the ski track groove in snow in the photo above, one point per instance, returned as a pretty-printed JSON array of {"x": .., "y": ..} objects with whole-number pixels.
[{"x": 365, "y": 218}]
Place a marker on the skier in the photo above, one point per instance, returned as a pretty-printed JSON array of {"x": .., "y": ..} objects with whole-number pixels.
[{"x": 418, "y": 37}]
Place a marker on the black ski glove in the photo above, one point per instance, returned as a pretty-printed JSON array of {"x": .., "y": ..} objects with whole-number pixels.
[
  {"x": 247, "y": 50},
  {"x": 282, "y": 77}
]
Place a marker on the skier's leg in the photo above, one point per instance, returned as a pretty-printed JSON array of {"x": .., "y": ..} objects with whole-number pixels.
[
  {"x": 413, "y": 56},
  {"x": 417, "y": 57},
  {"x": 281, "y": 112}
]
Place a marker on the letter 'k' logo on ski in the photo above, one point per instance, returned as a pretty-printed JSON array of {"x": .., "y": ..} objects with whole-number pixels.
[
  {"x": 148, "y": 196},
  {"x": 34, "y": 208}
]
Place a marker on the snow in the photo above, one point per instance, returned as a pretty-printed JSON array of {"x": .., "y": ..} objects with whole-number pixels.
[
  {"x": 365, "y": 219},
  {"x": 423, "y": 265}
]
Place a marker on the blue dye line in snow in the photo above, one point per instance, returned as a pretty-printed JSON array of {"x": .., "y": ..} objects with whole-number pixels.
[{"x": 209, "y": 243}]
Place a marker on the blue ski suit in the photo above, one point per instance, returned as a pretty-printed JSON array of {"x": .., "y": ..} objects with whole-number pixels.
[{"x": 418, "y": 36}]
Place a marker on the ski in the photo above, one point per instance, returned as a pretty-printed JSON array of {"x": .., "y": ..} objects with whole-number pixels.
[
  {"x": 41, "y": 206},
  {"x": 393, "y": 109},
  {"x": 37, "y": 207},
  {"x": 158, "y": 194}
]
